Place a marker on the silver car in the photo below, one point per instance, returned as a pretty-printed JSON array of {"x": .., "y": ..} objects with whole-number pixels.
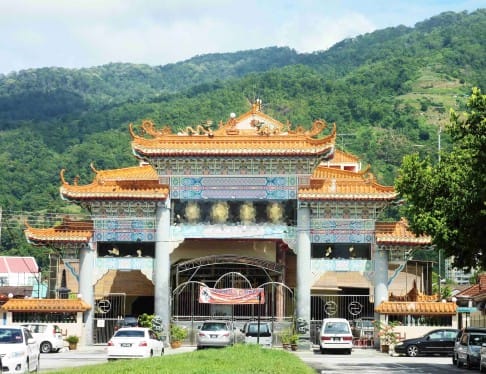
[
  {"x": 468, "y": 352},
  {"x": 482, "y": 359},
  {"x": 215, "y": 334}
]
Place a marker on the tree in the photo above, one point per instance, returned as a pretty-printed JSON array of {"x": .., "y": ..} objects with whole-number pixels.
[{"x": 447, "y": 199}]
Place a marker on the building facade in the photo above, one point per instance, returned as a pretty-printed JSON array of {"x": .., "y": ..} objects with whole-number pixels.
[{"x": 247, "y": 203}]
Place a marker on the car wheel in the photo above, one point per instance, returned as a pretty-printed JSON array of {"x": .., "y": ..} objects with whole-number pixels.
[
  {"x": 454, "y": 359},
  {"x": 45, "y": 347},
  {"x": 349, "y": 351},
  {"x": 412, "y": 351},
  {"x": 458, "y": 363},
  {"x": 323, "y": 350}
]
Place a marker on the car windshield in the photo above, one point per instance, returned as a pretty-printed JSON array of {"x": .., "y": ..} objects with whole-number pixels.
[
  {"x": 214, "y": 326},
  {"x": 10, "y": 336},
  {"x": 130, "y": 334},
  {"x": 477, "y": 339},
  {"x": 336, "y": 328},
  {"x": 253, "y": 328}
]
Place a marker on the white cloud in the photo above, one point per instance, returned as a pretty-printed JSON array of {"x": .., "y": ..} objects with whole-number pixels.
[{"x": 83, "y": 33}]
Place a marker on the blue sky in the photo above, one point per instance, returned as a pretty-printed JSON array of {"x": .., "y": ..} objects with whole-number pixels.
[{"x": 85, "y": 33}]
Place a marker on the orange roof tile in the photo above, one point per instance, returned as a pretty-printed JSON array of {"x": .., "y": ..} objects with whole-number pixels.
[
  {"x": 398, "y": 233},
  {"x": 341, "y": 157},
  {"x": 416, "y": 308},
  {"x": 335, "y": 184},
  {"x": 46, "y": 305},
  {"x": 138, "y": 182},
  {"x": 253, "y": 133},
  {"x": 68, "y": 231}
]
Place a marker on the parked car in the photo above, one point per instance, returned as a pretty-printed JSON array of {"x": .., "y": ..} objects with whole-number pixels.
[
  {"x": 215, "y": 334},
  {"x": 440, "y": 341},
  {"x": 255, "y": 335},
  {"x": 19, "y": 350},
  {"x": 134, "y": 342},
  {"x": 459, "y": 337},
  {"x": 468, "y": 351},
  {"x": 362, "y": 327},
  {"x": 48, "y": 335},
  {"x": 127, "y": 321},
  {"x": 336, "y": 335},
  {"x": 482, "y": 359}
]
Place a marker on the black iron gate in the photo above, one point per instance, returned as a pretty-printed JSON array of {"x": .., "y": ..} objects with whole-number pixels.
[
  {"x": 109, "y": 311},
  {"x": 350, "y": 307}
]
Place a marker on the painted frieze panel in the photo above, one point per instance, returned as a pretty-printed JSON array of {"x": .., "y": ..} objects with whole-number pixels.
[{"x": 342, "y": 231}]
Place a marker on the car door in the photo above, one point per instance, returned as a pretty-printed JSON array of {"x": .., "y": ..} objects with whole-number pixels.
[
  {"x": 32, "y": 348},
  {"x": 432, "y": 342},
  {"x": 449, "y": 341},
  {"x": 155, "y": 343}
]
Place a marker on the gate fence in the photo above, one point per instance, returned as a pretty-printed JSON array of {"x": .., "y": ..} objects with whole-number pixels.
[
  {"x": 278, "y": 309},
  {"x": 109, "y": 310},
  {"x": 350, "y": 307}
]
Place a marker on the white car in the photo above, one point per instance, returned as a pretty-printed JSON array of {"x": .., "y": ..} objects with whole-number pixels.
[
  {"x": 134, "y": 342},
  {"x": 250, "y": 331},
  {"x": 336, "y": 335},
  {"x": 48, "y": 335},
  {"x": 215, "y": 334},
  {"x": 19, "y": 352}
]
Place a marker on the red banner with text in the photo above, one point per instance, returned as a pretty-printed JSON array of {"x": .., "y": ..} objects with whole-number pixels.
[{"x": 231, "y": 296}]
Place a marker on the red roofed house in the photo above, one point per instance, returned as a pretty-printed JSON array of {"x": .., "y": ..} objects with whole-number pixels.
[
  {"x": 471, "y": 304},
  {"x": 18, "y": 277}
]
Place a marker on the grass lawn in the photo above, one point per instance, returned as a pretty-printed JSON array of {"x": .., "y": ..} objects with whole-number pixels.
[{"x": 232, "y": 360}]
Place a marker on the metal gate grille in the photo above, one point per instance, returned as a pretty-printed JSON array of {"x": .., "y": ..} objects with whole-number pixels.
[
  {"x": 350, "y": 307},
  {"x": 187, "y": 311},
  {"x": 109, "y": 310}
]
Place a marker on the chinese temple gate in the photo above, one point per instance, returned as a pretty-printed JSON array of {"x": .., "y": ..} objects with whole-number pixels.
[{"x": 277, "y": 204}]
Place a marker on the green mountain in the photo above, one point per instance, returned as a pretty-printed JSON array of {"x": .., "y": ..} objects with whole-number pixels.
[{"x": 388, "y": 92}]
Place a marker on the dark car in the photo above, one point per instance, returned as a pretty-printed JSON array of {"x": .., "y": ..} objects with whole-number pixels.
[
  {"x": 127, "y": 321},
  {"x": 459, "y": 337},
  {"x": 439, "y": 341}
]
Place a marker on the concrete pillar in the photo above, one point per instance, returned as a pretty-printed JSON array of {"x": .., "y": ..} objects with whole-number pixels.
[
  {"x": 304, "y": 275},
  {"x": 162, "y": 299},
  {"x": 381, "y": 276},
  {"x": 87, "y": 258},
  {"x": 380, "y": 282}
]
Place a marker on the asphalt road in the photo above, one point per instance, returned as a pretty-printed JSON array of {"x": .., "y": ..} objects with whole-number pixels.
[{"x": 368, "y": 361}]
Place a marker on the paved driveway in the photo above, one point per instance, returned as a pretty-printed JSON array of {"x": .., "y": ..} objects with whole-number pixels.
[{"x": 371, "y": 361}]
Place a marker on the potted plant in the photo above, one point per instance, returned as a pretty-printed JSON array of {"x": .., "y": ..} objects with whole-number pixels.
[
  {"x": 72, "y": 341},
  {"x": 285, "y": 338},
  {"x": 294, "y": 339},
  {"x": 177, "y": 335},
  {"x": 387, "y": 334}
]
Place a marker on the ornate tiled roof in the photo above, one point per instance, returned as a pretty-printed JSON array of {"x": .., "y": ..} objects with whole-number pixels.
[
  {"x": 343, "y": 157},
  {"x": 46, "y": 305},
  {"x": 68, "y": 231},
  {"x": 251, "y": 134},
  {"x": 416, "y": 308},
  {"x": 328, "y": 183},
  {"x": 398, "y": 233},
  {"x": 138, "y": 183}
]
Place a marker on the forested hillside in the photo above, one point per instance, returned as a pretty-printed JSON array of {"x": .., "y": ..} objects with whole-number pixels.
[{"x": 388, "y": 92}]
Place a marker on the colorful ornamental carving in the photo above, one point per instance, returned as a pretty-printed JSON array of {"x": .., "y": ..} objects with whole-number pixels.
[{"x": 251, "y": 134}]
